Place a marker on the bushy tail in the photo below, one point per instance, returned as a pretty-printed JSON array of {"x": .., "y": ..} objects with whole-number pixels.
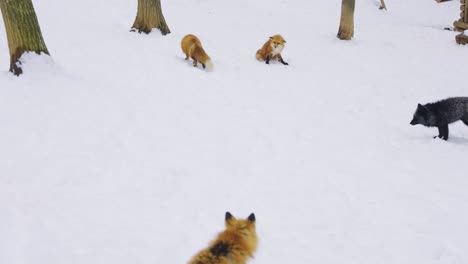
[
  {"x": 209, "y": 65},
  {"x": 259, "y": 56}
]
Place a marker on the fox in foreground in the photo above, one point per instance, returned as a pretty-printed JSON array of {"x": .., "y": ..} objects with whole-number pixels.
[
  {"x": 192, "y": 48},
  {"x": 442, "y": 113},
  {"x": 271, "y": 50},
  {"x": 232, "y": 246}
]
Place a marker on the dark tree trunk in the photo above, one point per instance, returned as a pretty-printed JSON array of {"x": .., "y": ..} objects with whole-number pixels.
[
  {"x": 150, "y": 16},
  {"x": 23, "y": 31},
  {"x": 382, "y": 5},
  {"x": 346, "y": 30}
]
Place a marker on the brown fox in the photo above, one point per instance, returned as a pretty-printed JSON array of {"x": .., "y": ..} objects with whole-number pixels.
[
  {"x": 232, "y": 246},
  {"x": 192, "y": 48},
  {"x": 272, "y": 50}
]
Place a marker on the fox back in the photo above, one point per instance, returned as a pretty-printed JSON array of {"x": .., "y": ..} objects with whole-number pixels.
[
  {"x": 234, "y": 245},
  {"x": 192, "y": 48},
  {"x": 442, "y": 112}
]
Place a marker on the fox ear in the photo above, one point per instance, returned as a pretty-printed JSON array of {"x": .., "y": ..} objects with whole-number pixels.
[
  {"x": 421, "y": 107},
  {"x": 251, "y": 217},
  {"x": 284, "y": 41},
  {"x": 271, "y": 37},
  {"x": 228, "y": 216}
]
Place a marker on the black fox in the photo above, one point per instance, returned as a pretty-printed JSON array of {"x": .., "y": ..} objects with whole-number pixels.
[{"x": 442, "y": 113}]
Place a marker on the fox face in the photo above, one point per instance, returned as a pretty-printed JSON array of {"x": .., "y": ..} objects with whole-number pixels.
[
  {"x": 277, "y": 44},
  {"x": 246, "y": 227},
  {"x": 421, "y": 116}
]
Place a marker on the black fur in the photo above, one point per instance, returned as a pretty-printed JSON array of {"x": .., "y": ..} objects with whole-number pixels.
[
  {"x": 284, "y": 63},
  {"x": 251, "y": 217},
  {"x": 442, "y": 113},
  {"x": 220, "y": 249},
  {"x": 267, "y": 61},
  {"x": 228, "y": 216}
]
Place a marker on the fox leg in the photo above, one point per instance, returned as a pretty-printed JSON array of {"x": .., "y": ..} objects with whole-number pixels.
[
  {"x": 465, "y": 121},
  {"x": 281, "y": 60},
  {"x": 194, "y": 62},
  {"x": 443, "y": 132},
  {"x": 267, "y": 60}
]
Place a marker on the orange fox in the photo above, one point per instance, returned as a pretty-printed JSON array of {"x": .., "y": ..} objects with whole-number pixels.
[
  {"x": 192, "y": 48},
  {"x": 272, "y": 50},
  {"x": 232, "y": 246}
]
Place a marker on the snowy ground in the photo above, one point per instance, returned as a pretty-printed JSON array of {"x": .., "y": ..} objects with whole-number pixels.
[{"x": 118, "y": 151}]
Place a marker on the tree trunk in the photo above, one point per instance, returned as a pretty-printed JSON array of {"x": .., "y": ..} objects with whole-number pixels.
[
  {"x": 462, "y": 39},
  {"x": 346, "y": 30},
  {"x": 150, "y": 16},
  {"x": 382, "y": 5},
  {"x": 23, "y": 31}
]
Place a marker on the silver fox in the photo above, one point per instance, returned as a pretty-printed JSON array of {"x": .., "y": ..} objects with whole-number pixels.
[{"x": 442, "y": 113}]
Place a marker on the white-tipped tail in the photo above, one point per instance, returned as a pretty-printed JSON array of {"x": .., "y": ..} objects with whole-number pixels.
[
  {"x": 258, "y": 56},
  {"x": 209, "y": 65}
]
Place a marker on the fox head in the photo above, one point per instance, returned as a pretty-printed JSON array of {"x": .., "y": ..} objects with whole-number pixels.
[
  {"x": 422, "y": 116},
  {"x": 244, "y": 227},
  {"x": 277, "y": 43}
]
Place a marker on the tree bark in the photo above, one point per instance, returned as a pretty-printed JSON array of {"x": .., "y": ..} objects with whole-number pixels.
[
  {"x": 23, "y": 31},
  {"x": 346, "y": 30},
  {"x": 382, "y": 5},
  {"x": 462, "y": 39},
  {"x": 462, "y": 25},
  {"x": 150, "y": 16},
  {"x": 466, "y": 13}
]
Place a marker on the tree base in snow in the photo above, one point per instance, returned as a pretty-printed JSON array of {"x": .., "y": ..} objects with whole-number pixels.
[
  {"x": 15, "y": 61},
  {"x": 23, "y": 31},
  {"x": 15, "y": 69},
  {"x": 150, "y": 16},
  {"x": 345, "y": 34},
  {"x": 147, "y": 30},
  {"x": 462, "y": 39}
]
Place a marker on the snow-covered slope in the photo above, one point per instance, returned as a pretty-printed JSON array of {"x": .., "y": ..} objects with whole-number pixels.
[{"x": 118, "y": 151}]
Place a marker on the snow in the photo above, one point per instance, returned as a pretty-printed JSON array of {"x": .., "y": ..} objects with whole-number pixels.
[{"x": 116, "y": 150}]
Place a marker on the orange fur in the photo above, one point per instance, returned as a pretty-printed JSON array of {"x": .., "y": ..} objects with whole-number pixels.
[
  {"x": 192, "y": 48},
  {"x": 271, "y": 50},
  {"x": 232, "y": 246}
]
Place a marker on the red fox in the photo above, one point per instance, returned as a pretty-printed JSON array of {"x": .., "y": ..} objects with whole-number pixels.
[
  {"x": 192, "y": 48},
  {"x": 272, "y": 50},
  {"x": 232, "y": 246}
]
